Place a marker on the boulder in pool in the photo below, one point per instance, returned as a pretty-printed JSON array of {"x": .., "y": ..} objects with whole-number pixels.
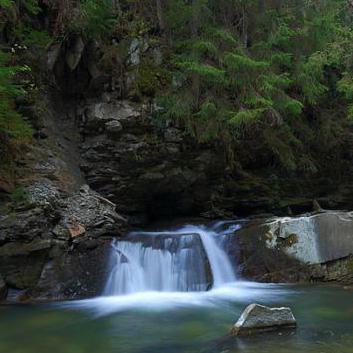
[{"x": 259, "y": 318}]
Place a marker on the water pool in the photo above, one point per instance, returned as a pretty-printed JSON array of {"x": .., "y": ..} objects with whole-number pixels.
[{"x": 174, "y": 322}]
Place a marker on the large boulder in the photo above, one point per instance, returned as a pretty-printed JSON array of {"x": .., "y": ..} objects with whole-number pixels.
[
  {"x": 313, "y": 239},
  {"x": 259, "y": 318},
  {"x": 312, "y": 247}
]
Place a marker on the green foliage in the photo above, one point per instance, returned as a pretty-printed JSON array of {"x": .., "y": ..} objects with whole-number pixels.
[
  {"x": 257, "y": 77},
  {"x": 31, "y": 6},
  {"x": 6, "y": 3},
  {"x": 29, "y": 36},
  {"x": 11, "y": 122},
  {"x": 150, "y": 78},
  {"x": 94, "y": 19},
  {"x": 19, "y": 195},
  {"x": 232, "y": 71}
]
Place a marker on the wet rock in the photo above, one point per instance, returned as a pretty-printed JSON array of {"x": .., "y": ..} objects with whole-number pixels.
[
  {"x": 3, "y": 289},
  {"x": 77, "y": 271},
  {"x": 258, "y": 318}
]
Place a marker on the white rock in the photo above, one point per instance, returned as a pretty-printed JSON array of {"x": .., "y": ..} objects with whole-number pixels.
[
  {"x": 319, "y": 238},
  {"x": 257, "y": 318}
]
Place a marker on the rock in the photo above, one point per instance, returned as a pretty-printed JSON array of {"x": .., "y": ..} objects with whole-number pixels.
[
  {"x": 76, "y": 229},
  {"x": 173, "y": 135},
  {"x": 74, "y": 53},
  {"x": 312, "y": 247},
  {"x": 134, "y": 52},
  {"x": 320, "y": 238},
  {"x": 6, "y": 185},
  {"x": 48, "y": 232},
  {"x": 113, "y": 127},
  {"x": 3, "y": 289},
  {"x": 316, "y": 206},
  {"x": 258, "y": 318},
  {"x": 137, "y": 46},
  {"x": 43, "y": 193},
  {"x": 53, "y": 55}
]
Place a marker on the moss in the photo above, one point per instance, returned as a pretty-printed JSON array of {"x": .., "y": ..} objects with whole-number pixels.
[
  {"x": 19, "y": 195},
  {"x": 350, "y": 265},
  {"x": 150, "y": 79}
]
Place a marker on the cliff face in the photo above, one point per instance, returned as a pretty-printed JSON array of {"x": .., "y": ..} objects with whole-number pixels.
[
  {"x": 150, "y": 173},
  {"x": 100, "y": 162}
]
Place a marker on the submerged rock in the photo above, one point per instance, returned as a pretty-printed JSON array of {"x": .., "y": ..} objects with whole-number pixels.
[{"x": 258, "y": 318}]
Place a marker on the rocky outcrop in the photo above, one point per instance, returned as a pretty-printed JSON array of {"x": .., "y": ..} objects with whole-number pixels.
[
  {"x": 55, "y": 245},
  {"x": 258, "y": 318},
  {"x": 145, "y": 170},
  {"x": 307, "y": 248}
]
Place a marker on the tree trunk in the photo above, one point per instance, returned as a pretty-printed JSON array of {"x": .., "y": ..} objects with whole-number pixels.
[
  {"x": 160, "y": 15},
  {"x": 245, "y": 27}
]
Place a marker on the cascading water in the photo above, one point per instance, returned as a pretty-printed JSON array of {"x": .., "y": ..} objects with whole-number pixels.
[{"x": 188, "y": 259}]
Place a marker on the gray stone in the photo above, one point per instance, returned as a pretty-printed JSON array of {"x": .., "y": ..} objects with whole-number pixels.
[
  {"x": 113, "y": 127},
  {"x": 173, "y": 135},
  {"x": 53, "y": 55},
  {"x": 43, "y": 193},
  {"x": 257, "y": 318},
  {"x": 316, "y": 238},
  {"x": 134, "y": 52},
  {"x": 100, "y": 114},
  {"x": 53, "y": 229}
]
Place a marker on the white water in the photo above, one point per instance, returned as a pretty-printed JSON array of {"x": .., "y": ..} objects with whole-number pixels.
[
  {"x": 161, "y": 271},
  {"x": 171, "y": 261}
]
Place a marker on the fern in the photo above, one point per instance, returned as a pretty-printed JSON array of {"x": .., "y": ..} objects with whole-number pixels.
[
  {"x": 246, "y": 116},
  {"x": 5, "y": 3},
  {"x": 11, "y": 122}
]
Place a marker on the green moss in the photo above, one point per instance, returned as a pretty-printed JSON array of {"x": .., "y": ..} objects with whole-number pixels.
[
  {"x": 350, "y": 264},
  {"x": 150, "y": 79},
  {"x": 19, "y": 195}
]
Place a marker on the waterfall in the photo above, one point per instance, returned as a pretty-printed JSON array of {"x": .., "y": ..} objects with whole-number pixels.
[{"x": 188, "y": 259}]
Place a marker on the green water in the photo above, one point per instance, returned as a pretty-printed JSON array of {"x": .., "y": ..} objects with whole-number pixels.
[{"x": 178, "y": 323}]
